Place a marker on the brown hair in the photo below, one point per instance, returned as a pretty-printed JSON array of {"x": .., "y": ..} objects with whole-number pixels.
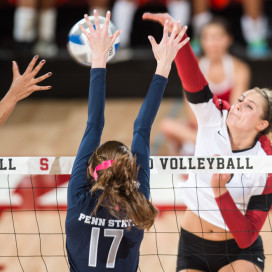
[
  {"x": 119, "y": 185},
  {"x": 266, "y": 93},
  {"x": 221, "y": 22}
]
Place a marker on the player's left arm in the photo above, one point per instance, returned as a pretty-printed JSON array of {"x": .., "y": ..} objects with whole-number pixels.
[
  {"x": 164, "y": 53},
  {"x": 142, "y": 127},
  {"x": 244, "y": 228},
  {"x": 202, "y": 101}
]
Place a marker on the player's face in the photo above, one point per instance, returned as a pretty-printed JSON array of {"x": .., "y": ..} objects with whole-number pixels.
[
  {"x": 215, "y": 41},
  {"x": 246, "y": 114}
]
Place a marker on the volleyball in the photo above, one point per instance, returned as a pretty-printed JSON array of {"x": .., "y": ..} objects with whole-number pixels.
[{"x": 78, "y": 46}]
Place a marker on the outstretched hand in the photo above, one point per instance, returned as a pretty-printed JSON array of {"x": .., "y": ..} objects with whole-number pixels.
[
  {"x": 161, "y": 18},
  {"x": 24, "y": 85},
  {"x": 99, "y": 39},
  {"x": 166, "y": 51}
]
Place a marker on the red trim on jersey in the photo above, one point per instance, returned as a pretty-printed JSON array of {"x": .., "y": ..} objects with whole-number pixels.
[
  {"x": 224, "y": 96},
  {"x": 268, "y": 186},
  {"x": 220, "y": 104},
  {"x": 188, "y": 70},
  {"x": 266, "y": 145},
  {"x": 244, "y": 228}
]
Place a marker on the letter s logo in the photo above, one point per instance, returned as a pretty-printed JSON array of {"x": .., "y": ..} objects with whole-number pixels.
[{"x": 44, "y": 164}]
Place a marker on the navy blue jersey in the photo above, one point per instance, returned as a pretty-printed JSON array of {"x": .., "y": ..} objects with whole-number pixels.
[{"x": 102, "y": 242}]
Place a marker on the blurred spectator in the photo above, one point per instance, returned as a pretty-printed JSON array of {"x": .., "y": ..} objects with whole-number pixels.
[
  {"x": 35, "y": 26},
  {"x": 102, "y": 6},
  {"x": 254, "y": 23},
  {"x": 124, "y": 10},
  {"x": 228, "y": 78}
]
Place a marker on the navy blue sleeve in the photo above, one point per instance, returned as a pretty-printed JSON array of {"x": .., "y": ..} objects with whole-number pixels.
[
  {"x": 142, "y": 127},
  {"x": 91, "y": 137}
]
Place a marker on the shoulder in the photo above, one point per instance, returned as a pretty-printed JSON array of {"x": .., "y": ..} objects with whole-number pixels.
[{"x": 240, "y": 66}]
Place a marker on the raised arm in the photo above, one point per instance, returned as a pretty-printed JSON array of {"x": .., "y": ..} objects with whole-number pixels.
[
  {"x": 22, "y": 86},
  {"x": 100, "y": 43},
  {"x": 204, "y": 104},
  {"x": 164, "y": 53},
  {"x": 186, "y": 61}
]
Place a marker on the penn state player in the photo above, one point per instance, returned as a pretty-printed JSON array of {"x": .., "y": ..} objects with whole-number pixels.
[
  {"x": 108, "y": 206},
  {"x": 225, "y": 213}
]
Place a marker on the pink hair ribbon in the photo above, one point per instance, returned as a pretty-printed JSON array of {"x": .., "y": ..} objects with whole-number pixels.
[{"x": 103, "y": 165}]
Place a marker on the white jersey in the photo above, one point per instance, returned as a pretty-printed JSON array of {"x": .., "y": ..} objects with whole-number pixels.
[
  {"x": 213, "y": 139},
  {"x": 244, "y": 207}
]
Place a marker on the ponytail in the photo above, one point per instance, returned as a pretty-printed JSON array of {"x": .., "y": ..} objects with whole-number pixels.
[{"x": 119, "y": 186}]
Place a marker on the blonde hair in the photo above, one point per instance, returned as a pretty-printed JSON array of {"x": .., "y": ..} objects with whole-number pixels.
[{"x": 266, "y": 93}]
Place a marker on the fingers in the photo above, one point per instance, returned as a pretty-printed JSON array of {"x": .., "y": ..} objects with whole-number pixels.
[
  {"x": 83, "y": 30},
  {"x": 153, "y": 42},
  {"x": 174, "y": 31},
  {"x": 159, "y": 18},
  {"x": 42, "y": 78},
  {"x": 225, "y": 178},
  {"x": 114, "y": 36},
  {"x": 165, "y": 31},
  {"x": 41, "y": 88},
  {"x": 181, "y": 34},
  {"x": 96, "y": 20},
  {"x": 15, "y": 69},
  {"x": 180, "y": 45},
  {"x": 107, "y": 21},
  {"x": 31, "y": 64},
  {"x": 149, "y": 16},
  {"x": 89, "y": 24},
  {"x": 221, "y": 179},
  {"x": 154, "y": 17},
  {"x": 38, "y": 67}
]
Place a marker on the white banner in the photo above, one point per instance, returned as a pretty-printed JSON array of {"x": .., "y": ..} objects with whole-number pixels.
[{"x": 158, "y": 165}]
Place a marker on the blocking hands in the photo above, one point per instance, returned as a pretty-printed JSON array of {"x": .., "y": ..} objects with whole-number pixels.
[
  {"x": 162, "y": 18},
  {"x": 99, "y": 40},
  {"x": 166, "y": 51}
]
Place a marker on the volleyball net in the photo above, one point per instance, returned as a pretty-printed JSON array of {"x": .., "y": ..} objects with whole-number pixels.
[{"x": 33, "y": 202}]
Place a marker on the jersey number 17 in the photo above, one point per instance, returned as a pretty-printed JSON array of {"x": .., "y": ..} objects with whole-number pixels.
[{"x": 117, "y": 235}]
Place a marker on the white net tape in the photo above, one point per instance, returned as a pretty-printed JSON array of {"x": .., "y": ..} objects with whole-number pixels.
[{"x": 158, "y": 165}]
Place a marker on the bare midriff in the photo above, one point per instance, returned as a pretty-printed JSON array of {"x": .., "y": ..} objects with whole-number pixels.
[{"x": 193, "y": 223}]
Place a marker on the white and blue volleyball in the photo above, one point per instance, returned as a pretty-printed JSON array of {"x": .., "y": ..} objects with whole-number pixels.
[{"x": 78, "y": 46}]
